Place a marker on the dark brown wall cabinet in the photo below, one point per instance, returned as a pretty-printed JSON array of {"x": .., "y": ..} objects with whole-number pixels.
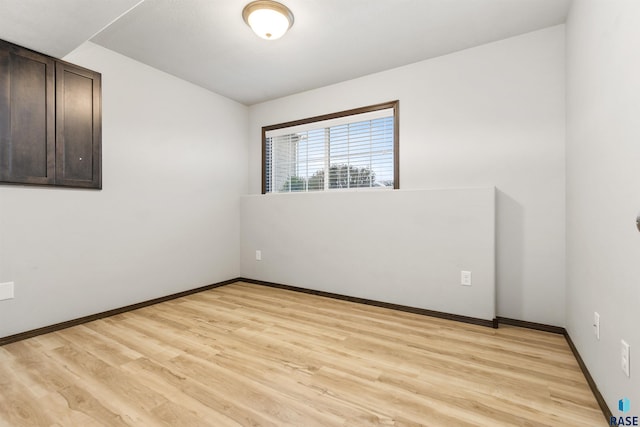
[{"x": 50, "y": 121}]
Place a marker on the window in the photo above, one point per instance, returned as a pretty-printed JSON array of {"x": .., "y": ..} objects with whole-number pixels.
[{"x": 350, "y": 149}]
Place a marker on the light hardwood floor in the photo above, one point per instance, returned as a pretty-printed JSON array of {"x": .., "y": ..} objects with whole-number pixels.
[{"x": 248, "y": 355}]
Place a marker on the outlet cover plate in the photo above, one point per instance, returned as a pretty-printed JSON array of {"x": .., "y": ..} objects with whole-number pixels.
[
  {"x": 465, "y": 278},
  {"x": 624, "y": 357},
  {"x": 6, "y": 291}
]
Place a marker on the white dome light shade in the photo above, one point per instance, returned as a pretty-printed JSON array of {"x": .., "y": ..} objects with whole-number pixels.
[
  {"x": 268, "y": 23},
  {"x": 268, "y": 19}
]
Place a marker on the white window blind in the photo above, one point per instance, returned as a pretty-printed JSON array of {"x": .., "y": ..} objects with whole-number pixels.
[{"x": 352, "y": 151}]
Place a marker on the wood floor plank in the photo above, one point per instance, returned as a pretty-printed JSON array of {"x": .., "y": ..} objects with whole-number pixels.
[
  {"x": 18, "y": 405},
  {"x": 250, "y": 355},
  {"x": 182, "y": 392}
]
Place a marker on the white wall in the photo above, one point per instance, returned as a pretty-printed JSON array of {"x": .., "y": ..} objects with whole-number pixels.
[
  {"x": 487, "y": 116},
  {"x": 603, "y": 190},
  {"x": 402, "y": 247},
  {"x": 167, "y": 219}
]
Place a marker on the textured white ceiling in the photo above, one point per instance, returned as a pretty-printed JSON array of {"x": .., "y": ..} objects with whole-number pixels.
[
  {"x": 56, "y": 27},
  {"x": 207, "y": 42}
]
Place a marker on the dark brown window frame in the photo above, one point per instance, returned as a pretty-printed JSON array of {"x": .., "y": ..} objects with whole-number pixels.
[{"x": 395, "y": 105}]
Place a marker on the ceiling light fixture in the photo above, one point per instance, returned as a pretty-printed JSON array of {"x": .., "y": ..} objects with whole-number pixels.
[{"x": 268, "y": 19}]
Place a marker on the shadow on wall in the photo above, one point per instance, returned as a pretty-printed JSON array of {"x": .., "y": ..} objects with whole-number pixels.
[{"x": 509, "y": 256}]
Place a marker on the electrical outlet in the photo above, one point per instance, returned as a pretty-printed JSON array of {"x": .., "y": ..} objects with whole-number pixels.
[
  {"x": 624, "y": 359},
  {"x": 6, "y": 291},
  {"x": 258, "y": 255},
  {"x": 596, "y": 324},
  {"x": 465, "y": 278}
]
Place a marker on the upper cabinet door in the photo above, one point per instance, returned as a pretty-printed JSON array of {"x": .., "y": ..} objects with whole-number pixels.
[
  {"x": 27, "y": 116},
  {"x": 78, "y": 127}
]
